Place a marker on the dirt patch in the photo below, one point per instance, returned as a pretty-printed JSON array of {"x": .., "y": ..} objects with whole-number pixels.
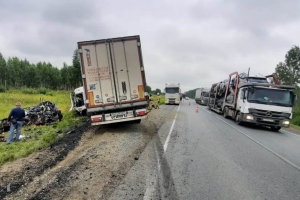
[
  {"x": 88, "y": 164},
  {"x": 19, "y": 173}
]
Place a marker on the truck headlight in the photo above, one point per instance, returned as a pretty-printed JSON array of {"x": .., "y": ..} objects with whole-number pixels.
[
  {"x": 286, "y": 122},
  {"x": 249, "y": 117}
]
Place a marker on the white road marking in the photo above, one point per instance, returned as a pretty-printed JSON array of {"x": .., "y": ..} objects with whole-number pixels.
[
  {"x": 273, "y": 152},
  {"x": 170, "y": 132},
  {"x": 206, "y": 110},
  {"x": 290, "y": 133}
]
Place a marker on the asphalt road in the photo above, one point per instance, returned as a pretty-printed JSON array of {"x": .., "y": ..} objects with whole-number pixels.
[{"x": 204, "y": 156}]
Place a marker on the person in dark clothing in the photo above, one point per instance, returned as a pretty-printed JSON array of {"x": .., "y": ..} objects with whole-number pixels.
[{"x": 15, "y": 120}]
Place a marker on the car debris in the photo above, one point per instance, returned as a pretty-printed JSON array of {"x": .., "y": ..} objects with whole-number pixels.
[{"x": 45, "y": 113}]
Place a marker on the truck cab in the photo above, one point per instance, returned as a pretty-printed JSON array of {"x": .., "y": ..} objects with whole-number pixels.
[
  {"x": 77, "y": 101},
  {"x": 264, "y": 105},
  {"x": 172, "y": 93}
]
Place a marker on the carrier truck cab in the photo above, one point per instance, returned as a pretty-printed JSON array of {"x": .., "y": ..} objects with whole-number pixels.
[
  {"x": 113, "y": 79},
  {"x": 256, "y": 101},
  {"x": 172, "y": 93}
]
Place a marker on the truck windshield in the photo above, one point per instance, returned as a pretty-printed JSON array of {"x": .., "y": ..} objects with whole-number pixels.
[
  {"x": 270, "y": 96},
  {"x": 205, "y": 94},
  {"x": 172, "y": 90}
]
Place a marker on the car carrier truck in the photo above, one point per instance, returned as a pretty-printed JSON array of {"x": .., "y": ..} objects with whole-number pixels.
[
  {"x": 253, "y": 100},
  {"x": 172, "y": 93},
  {"x": 113, "y": 77}
]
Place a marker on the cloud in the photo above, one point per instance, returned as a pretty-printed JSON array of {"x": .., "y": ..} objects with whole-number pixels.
[{"x": 196, "y": 43}]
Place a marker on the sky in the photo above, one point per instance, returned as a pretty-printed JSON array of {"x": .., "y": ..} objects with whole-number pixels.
[{"x": 194, "y": 43}]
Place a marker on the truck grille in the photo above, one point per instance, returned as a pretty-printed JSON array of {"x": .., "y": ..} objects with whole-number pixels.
[
  {"x": 270, "y": 114},
  {"x": 171, "y": 100},
  {"x": 261, "y": 115}
]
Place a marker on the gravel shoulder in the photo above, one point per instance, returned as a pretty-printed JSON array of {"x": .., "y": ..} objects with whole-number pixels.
[{"x": 88, "y": 164}]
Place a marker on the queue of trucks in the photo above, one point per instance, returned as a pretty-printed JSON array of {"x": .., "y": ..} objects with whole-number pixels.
[{"x": 114, "y": 83}]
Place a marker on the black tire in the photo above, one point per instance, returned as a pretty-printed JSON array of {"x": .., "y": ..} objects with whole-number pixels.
[
  {"x": 238, "y": 119},
  {"x": 208, "y": 107},
  {"x": 225, "y": 113},
  {"x": 275, "y": 128},
  {"x": 137, "y": 121}
]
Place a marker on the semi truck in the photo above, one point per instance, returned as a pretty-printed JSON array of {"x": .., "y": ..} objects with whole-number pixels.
[
  {"x": 253, "y": 100},
  {"x": 114, "y": 81},
  {"x": 202, "y": 96},
  {"x": 172, "y": 93}
]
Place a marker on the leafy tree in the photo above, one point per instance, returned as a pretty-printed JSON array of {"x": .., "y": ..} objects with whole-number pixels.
[
  {"x": 76, "y": 70},
  {"x": 288, "y": 72},
  {"x": 191, "y": 93},
  {"x": 148, "y": 89},
  {"x": 2, "y": 70},
  {"x": 157, "y": 91}
]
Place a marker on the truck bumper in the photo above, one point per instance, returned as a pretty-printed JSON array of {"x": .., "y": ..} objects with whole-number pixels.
[
  {"x": 117, "y": 121},
  {"x": 267, "y": 121}
]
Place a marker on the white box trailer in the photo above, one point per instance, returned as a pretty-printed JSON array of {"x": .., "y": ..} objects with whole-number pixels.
[
  {"x": 202, "y": 96},
  {"x": 198, "y": 95},
  {"x": 113, "y": 79}
]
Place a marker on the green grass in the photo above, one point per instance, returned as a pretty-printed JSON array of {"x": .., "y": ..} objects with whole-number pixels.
[
  {"x": 162, "y": 99},
  {"x": 295, "y": 126},
  {"x": 40, "y": 136}
]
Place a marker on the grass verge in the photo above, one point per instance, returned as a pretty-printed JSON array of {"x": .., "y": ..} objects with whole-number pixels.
[
  {"x": 295, "y": 127},
  {"x": 37, "y": 137}
]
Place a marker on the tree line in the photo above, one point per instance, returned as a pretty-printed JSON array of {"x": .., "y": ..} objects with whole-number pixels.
[{"x": 18, "y": 73}]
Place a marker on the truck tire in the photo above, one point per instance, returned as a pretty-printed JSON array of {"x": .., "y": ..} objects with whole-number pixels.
[
  {"x": 275, "y": 128},
  {"x": 225, "y": 113},
  {"x": 238, "y": 119},
  {"x": 137, "y": 121}
]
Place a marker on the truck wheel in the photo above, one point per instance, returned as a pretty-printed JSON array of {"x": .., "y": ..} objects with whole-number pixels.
[
  {"x": 275, "y": 128},
  {"x": 137, "y": 121},
  {"x": 238, "y": 119},
  {"x": 225, "y": 113}
]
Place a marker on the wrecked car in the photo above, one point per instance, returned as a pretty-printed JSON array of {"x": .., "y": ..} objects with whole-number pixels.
[{"x": 44, "y": 113}]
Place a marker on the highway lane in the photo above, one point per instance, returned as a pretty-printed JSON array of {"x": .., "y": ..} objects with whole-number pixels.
[
  {"x": 205, "y": 156},
  {"x": 212, "y": 158}
]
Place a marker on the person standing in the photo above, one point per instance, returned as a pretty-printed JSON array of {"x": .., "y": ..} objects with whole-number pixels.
[
  {"x": 150, "y": 102},
  {"x": 158, "y": 101},
  {"x": 15, "y": 120}
]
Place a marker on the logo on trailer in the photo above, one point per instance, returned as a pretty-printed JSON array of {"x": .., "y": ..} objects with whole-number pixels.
[
  {"x": 88, "y": 57},
  {"x": 106, "y": 95},
  {"x": 134, "y": 91}
]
